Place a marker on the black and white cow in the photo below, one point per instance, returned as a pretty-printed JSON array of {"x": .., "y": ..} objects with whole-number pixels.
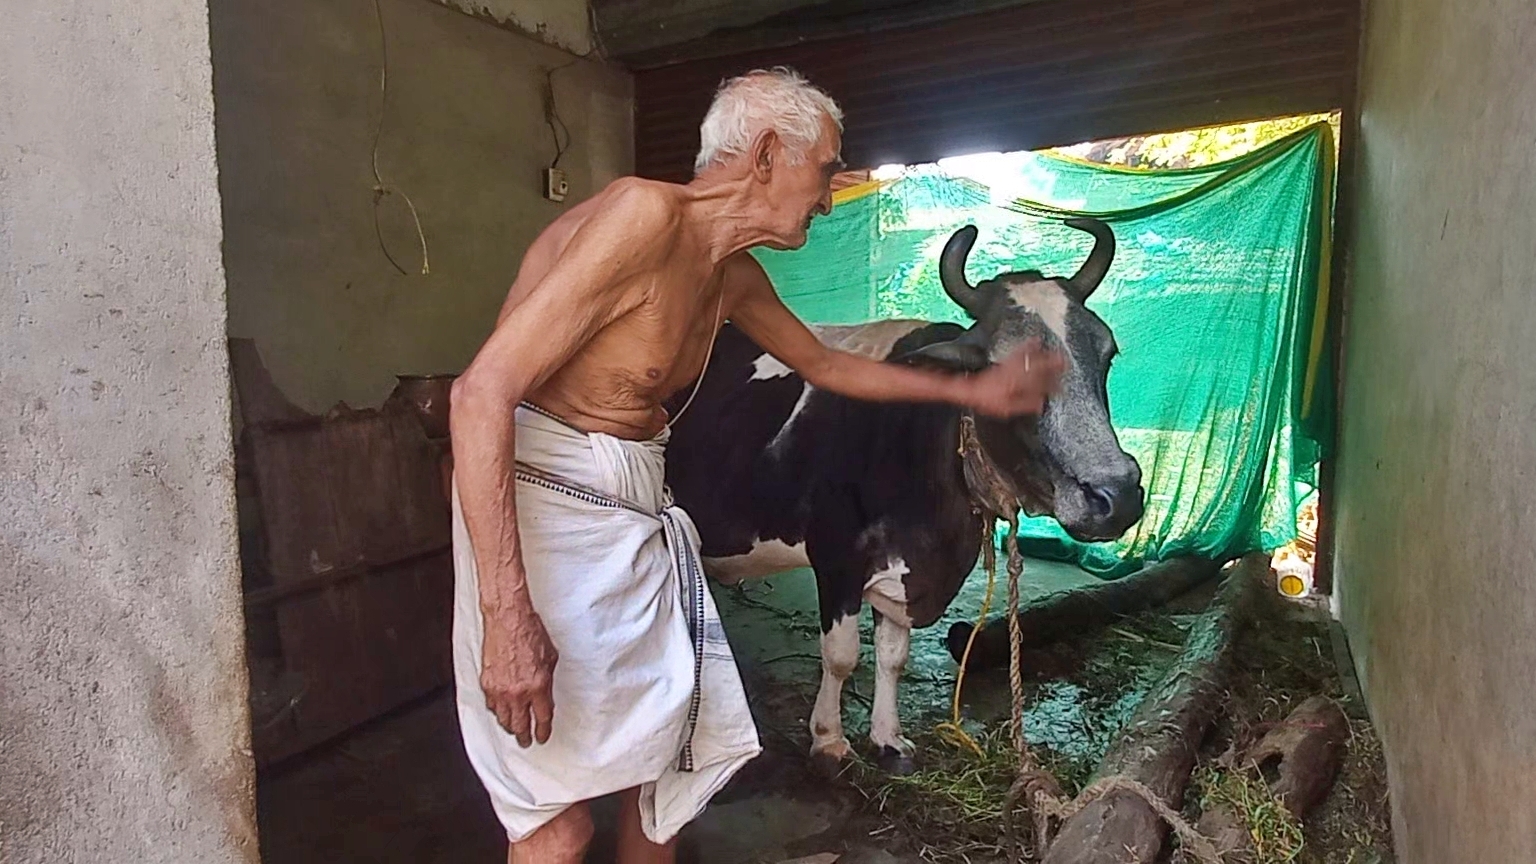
[{"x": 777, "y": 474}]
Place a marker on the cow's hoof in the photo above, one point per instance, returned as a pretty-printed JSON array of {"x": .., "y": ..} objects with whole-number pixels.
[
  {"x": 828, "y": 760},
  {"x": 894, "y": 762}
]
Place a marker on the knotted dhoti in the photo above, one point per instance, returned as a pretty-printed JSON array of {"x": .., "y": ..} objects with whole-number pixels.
[{"x": 646, "y": 690}]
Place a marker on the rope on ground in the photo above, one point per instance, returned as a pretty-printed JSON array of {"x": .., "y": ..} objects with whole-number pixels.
[
  {"x": 1038, "y": 787},
  {"x": 1193, "y": 843},
  {"x": 1033, "y": 784}
]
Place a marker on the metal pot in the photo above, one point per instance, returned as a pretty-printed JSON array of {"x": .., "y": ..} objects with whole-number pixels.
[{"x": 427, "y": 395}]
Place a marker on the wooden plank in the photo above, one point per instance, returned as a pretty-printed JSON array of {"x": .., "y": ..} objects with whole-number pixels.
[
  {"x": 364, "y": 480},
  {"x": 291, "y": 465},
  {"x": 358, "y": 540},
  {"x": 1080, "y": 610},
  {"x": 325, "y": 642},
  {"x": 422, "y": 508},
  {"x": 362, "y": 487},
  {"x": 408, "y": 611},
  {"x": 366, "y": 647},
  {"x": 271, "y": 596}
]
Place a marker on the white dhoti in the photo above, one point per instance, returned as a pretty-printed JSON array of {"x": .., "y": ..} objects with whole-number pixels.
[{"x": 646, "y": 690}]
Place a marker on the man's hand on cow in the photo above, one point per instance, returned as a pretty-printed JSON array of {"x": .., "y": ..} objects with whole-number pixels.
[
  {"x": 517, "y": 674},
  {"x": 1019, "y": 384}
]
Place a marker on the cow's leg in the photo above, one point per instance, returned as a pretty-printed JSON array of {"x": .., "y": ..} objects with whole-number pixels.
[
  {"x": 893, "y": 752},
  {"x": 831, "y": 544},
  {"x": 886, "y": 591},
  {"x": 839, "y": 657}
]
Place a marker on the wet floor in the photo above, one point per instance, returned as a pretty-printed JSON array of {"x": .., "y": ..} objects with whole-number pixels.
[{"x": 774, "y": 627}]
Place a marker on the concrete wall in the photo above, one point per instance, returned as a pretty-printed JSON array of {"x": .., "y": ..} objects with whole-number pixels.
[
  {"x": 563, "y": 23},
  {"x": 123, "y": 721},
  {"x": 296, "y": 88},
  {"x": 1437, "y": 475}
]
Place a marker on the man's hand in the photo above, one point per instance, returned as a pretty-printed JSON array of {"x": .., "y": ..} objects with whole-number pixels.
[
  {"x": 517, "y": 673},
  {"x": 1019, "y": 384}
]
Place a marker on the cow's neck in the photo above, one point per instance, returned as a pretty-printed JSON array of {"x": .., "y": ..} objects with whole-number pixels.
[{"x": 991, "y": 492}]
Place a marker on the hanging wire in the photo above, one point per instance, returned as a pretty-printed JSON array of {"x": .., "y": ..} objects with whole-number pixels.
[
  {"x": 551, "y": 109},
  {"x": 381, "y": 188},
  {"x": 557, "y": 126}
]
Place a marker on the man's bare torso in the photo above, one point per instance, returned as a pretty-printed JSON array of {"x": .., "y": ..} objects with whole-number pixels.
[{"x": 617, "y": 382}]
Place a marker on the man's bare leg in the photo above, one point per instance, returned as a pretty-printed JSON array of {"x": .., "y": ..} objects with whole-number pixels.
[
  {"x": 634, "y": 846},
  {"x": 563, "y": 840}
]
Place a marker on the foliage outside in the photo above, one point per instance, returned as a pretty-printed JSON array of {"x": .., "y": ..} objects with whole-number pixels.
[{"x": 1195, "y": 148}]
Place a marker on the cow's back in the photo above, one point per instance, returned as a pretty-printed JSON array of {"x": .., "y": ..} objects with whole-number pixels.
[
  {"x": 759, "y": 454},
  {"x": 715, "y": 456}
]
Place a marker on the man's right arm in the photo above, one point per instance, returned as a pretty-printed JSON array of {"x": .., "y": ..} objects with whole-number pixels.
[
  {"x": 578, "y": 296},
  {"x": 1016, "y": 386}
]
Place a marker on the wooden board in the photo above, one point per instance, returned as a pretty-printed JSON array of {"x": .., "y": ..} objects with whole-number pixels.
[
  {"x": 357, "y": 534},
  {"x": 359, "y": 488},
  {"x": 292, "y": 469},
  {"x": 366, "y": 647}
]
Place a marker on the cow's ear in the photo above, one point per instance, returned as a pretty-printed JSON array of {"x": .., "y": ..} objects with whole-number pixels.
[{"x": 960, "y": 355}]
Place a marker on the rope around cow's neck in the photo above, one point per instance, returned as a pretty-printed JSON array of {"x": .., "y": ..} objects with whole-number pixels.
[
  {"x": 977, "y": 469},
  {"x": 993, "y": 497}
]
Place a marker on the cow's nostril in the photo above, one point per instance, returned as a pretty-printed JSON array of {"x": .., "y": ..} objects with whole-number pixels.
[{"x": 1100, "y": 500}]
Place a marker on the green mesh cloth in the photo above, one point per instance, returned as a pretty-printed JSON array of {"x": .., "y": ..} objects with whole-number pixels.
[{"x": 1222, "y": 390}]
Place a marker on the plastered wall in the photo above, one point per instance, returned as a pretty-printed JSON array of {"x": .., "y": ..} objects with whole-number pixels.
[
  {"x": 297, "y": 95},
  {"x": 1437, "y": 473},
  {"x": 123, "y": 725}
]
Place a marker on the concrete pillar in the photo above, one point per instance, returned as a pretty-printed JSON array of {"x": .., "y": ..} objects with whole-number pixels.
[
  {"x": 123, "y": 720},
  {"x": 1437, "y": 464}
]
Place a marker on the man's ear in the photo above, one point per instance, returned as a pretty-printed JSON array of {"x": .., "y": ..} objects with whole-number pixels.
[{"x": 762, "y": 153}]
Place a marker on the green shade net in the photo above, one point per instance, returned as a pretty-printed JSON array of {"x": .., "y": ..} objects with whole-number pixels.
[{"x": 1222, "y": 390}]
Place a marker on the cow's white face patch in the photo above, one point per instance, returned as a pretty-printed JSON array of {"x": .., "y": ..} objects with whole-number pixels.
[
  {"x": 768, "y": 366},
  {"x": 766, "y": 558},
  {"x": 1045, "y": 299}
]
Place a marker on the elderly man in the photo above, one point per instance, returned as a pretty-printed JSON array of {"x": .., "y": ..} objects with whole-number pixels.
[{"x": 587, "y": 654}]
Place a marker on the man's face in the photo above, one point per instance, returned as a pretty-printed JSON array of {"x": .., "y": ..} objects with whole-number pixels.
[{"x": 801, "y": 191}]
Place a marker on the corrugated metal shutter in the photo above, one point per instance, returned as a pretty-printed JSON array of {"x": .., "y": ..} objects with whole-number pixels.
[{"x": 1044, "y": 74}]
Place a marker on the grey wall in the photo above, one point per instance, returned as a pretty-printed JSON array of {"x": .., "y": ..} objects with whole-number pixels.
[
  {"x": 122, "y": 681},
  {"x": 296, "y": 87},
  {"x": 563, "y": 23},
  {"x": 1437, "y": 473}
]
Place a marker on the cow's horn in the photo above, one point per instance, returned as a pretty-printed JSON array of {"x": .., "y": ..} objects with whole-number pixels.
[
  {"x": 952, "y": 269},
  {"x": 1092, "y": 272}
]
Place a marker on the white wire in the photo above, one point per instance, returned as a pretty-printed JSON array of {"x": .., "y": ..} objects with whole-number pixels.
[{"x": 381, "y": 188}]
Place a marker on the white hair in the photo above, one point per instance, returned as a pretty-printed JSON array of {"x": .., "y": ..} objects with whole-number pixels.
[{"x": 779, "y": 99}]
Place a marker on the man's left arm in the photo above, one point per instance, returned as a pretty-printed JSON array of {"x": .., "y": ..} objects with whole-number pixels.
[{"x": 1017, "y": 385}]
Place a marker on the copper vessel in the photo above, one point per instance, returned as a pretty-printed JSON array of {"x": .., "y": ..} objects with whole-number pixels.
[{"x": 427, "y": 396}]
